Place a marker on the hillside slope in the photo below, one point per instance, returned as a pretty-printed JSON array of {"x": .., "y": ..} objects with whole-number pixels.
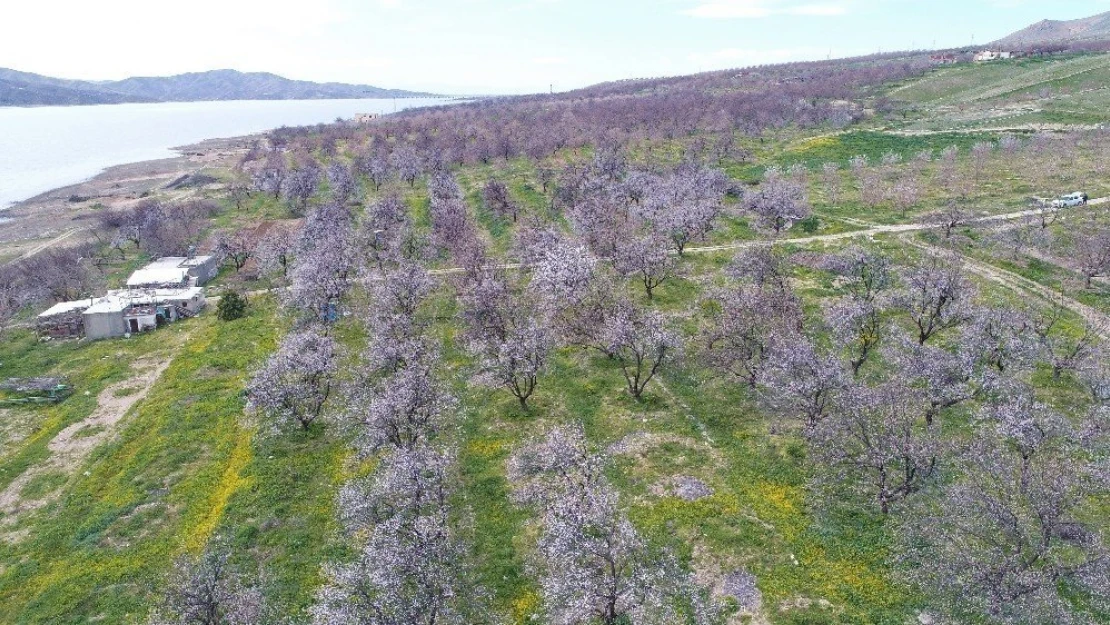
[
  {"x": 229, "y": 84},
  {"x": 1095, "y": 27},
  {"x": 15, "y": 93},
  {"x": 1025, "y": 94},
  {"x": 27, "y": 89}
]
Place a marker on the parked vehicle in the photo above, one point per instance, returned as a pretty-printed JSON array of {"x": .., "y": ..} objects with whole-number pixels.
[{"x": 1072, "y": 199}]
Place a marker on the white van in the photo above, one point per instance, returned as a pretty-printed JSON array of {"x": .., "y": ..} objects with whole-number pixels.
[{"x": 1069, "y": 200}]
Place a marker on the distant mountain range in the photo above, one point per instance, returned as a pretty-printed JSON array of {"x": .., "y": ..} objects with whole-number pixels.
[
  {"x": 1094, "y": 28},
  {"x": 26, "y": 89}
]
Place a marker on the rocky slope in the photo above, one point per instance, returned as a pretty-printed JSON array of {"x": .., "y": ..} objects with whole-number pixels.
[{"x": 1096, "y": 27}]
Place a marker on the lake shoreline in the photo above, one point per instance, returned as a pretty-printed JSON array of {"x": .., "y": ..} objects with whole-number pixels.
[
  {"x": 44, "y": 149},
  {"x": 51, "y": 214},
  {"x": 120, "y": 154},
  {"x": 114, "y": 173}
]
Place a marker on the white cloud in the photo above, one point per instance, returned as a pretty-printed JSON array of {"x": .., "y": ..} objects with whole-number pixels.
[{"x": 748, "y": 9}]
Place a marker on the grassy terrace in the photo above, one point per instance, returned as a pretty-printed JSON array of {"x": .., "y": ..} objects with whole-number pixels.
[
  {"x": 976, "y": 82},
  {"x": 690, "y": 423},
  {"x": 1011, "y": 93}
]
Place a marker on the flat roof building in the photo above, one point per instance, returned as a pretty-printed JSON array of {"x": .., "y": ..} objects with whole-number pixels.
[
  {"x": 175, "y": 272},
  {"x": 120, "y": 313}
]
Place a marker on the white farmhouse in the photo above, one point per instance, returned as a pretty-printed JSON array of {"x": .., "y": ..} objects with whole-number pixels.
[
  {"x": 175, "y": 272},
  {"x": 995, "y": 55},
  {"x": 120, "y": 313}
]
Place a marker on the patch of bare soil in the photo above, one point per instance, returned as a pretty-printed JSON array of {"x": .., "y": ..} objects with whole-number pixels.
[
  {"x": 804, "y": 603},
  {"x": 640, "y": 443},
  {"x": 726, "y": 578},
  {"x": 74, "y": 442},
  {"x": 15, "y": 425},
  {"x": 70, "y": 447},
  {"x": 685, "y": 487}
]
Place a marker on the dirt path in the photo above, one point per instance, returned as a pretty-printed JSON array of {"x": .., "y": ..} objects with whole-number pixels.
[
  {"x": 70, "y": 447},
  {"x": 704, "y": 431},
  {"x": 1031, "y": 127},
  {"x": 48, "y": 244},
  {"x": 870, "y": 231},
  {"x": 1024, "y": 286}
]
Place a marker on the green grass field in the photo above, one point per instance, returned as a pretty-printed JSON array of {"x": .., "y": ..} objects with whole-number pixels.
[
  {"x": 161, "y": 486},
  {"x": 187, "y": 464},
  {"x": 1020, "y": 93}
]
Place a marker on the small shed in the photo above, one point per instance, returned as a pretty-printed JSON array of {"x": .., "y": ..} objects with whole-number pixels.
[
  {"x": 996, "y": 55},
  {"x": 174, "y": 304},
  {"x": 141, "y": 318},
  {"x": 63, "y": 320},
  {"x": 201, "y": 269},
  {"x": 104, "y": 319}
]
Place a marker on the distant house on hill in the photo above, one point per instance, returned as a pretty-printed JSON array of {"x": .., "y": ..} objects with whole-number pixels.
[
  {"x": 175, "y": 272},
  {"x": 944, "y": 59},
  {"x": 365, "y": 118},
  {"x": 996, "y": 55},
  {"x": 120, "y": 313}
]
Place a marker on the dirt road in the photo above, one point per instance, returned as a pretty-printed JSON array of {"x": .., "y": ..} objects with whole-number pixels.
[
  {"x": 48, "y": 244},
  {"x": 1023, "y": 286},
  {"x": 871, "y": 230}
]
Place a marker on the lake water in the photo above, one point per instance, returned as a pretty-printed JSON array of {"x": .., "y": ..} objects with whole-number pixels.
[{"x": 45, "y": 148}]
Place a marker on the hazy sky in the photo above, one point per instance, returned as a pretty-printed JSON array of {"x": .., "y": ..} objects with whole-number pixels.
[{"x": 485, "y": 46}]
